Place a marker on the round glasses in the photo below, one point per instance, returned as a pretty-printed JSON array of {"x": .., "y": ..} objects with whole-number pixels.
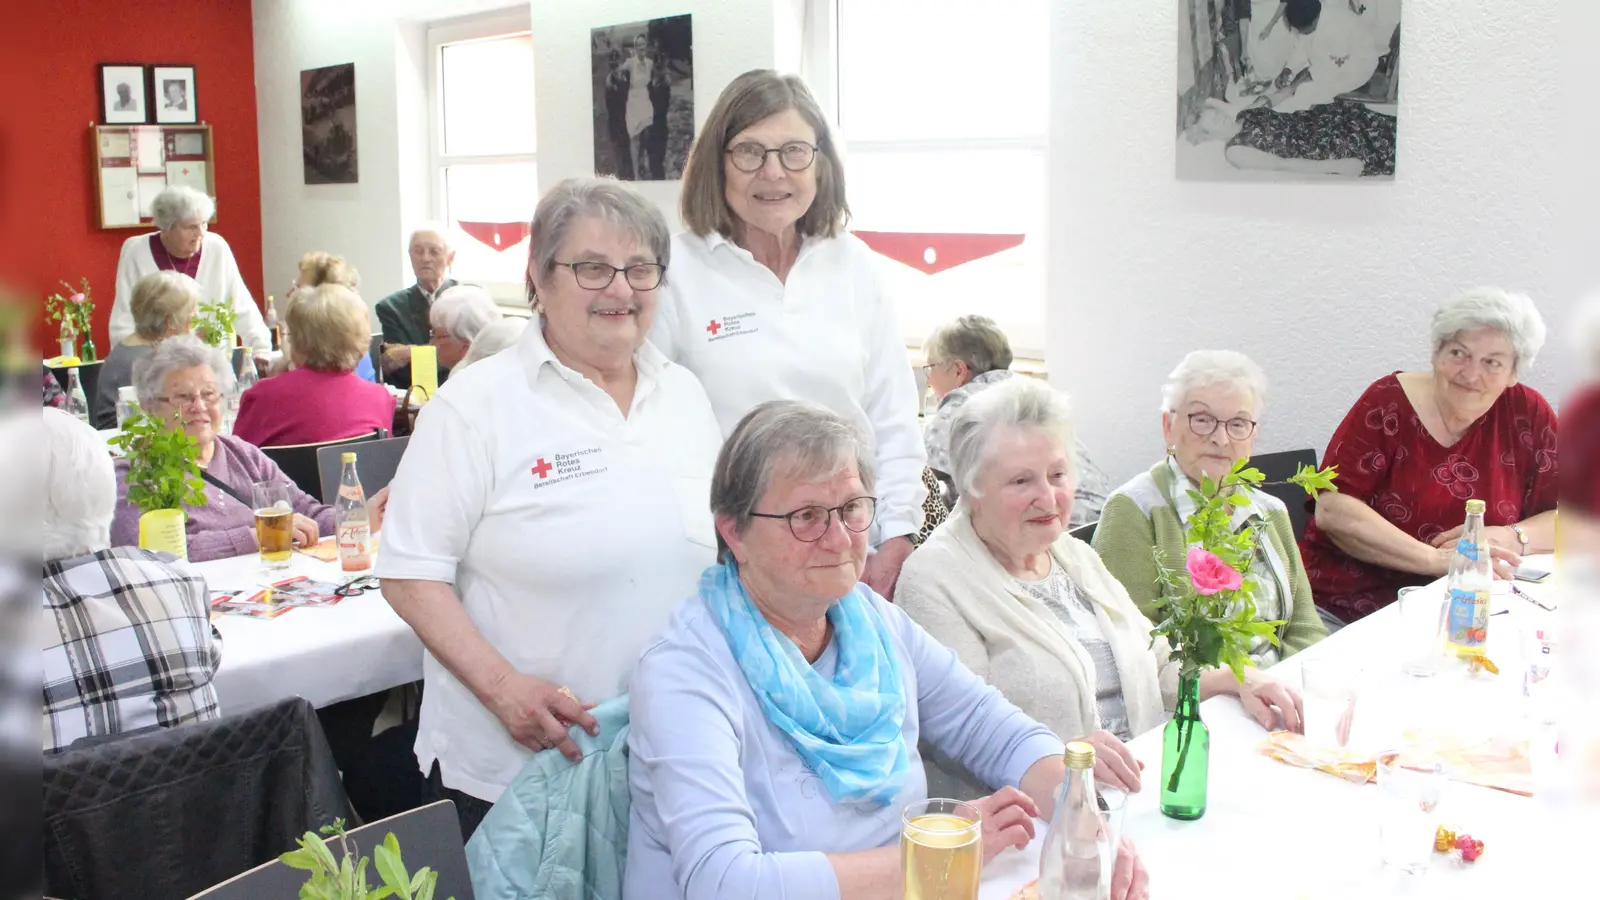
[
  {"x": 597, "y": 276},
  {"x": 796, "y": 156},
  {"x": 810, "y": 523},
  {"x": 205, "y": 398},
  {"x": 1203, "y": 424}
]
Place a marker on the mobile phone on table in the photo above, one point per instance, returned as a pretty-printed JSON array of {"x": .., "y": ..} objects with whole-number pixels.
[{"x": 1529, "y": 574}]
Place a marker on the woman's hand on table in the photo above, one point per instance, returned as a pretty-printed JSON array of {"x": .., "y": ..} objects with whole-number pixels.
[
  {"x": 1129, "y": 878},
  {"x": 1270, "y": 701},
  {"x": 537, "y": 713},
  {"x": 1008, "y": 816},
  {"x": 1114, "y": 764},
  {"x": 306, "y": 533},
  {"x": 1504, "y": 549}
]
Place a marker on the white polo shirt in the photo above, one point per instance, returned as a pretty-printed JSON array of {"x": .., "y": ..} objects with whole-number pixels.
[
  {"x": 569, "y": 532},
  {"x": 827, "y": 334}
]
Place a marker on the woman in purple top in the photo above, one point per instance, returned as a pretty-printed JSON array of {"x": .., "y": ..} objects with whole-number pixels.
[{"x": 186, "y": 380}]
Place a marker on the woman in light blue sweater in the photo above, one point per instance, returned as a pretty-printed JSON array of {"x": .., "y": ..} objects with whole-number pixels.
[{"x": 776, "y": 719}]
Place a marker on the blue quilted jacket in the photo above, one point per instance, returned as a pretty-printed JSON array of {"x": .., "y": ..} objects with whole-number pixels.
[{"x": 560, "y": 831}]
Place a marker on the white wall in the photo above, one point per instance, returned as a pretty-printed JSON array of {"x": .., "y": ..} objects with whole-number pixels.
[{"x": 1327, "y": 286}]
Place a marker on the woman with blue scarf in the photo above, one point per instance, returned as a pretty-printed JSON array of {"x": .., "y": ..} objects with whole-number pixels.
[{"x": 776, "y": 719}]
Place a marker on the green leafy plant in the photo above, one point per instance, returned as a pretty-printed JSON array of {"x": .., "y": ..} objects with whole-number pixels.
[
  {"x": 75, "y": 306},
  {"x": 346, "y": 877},
  {"x": 213, "y": 323},
  {"x": 163, "y": 472}
]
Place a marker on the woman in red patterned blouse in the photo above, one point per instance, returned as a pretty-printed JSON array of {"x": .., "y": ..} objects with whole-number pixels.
[{"x": 1418, "y": 445}]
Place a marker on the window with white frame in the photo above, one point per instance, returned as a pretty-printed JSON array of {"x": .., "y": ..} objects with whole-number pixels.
[
  {"x": 485, "y": 182},
  {"x": 943, "y": 110}
]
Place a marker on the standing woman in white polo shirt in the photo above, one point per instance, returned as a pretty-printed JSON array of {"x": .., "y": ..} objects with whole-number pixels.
[
  {"x": 553, "y": 505},
  {"x": 770, "y": 299}
]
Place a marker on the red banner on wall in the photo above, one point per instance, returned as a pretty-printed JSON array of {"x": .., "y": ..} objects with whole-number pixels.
[
  {"x": 496, "y": 236},
  {"x": 935, "y": 253}
]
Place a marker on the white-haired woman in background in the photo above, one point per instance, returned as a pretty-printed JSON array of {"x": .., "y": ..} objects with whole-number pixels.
[
  {"x": 497, "y": 336},
  {"x": 456, "y": 317},
  {"x": 127, "y": 634},
  {"x": 163, "y": 306},
  {"x": 1418, "y": 445},
  {"x": 1210, "y": 408},
  {"x": 183, "y": 243}
]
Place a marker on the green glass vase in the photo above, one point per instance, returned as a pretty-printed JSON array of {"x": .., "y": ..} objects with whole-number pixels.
[
  {"x": 88, "y": 354},
  {"x": 1185, "y": 755}
]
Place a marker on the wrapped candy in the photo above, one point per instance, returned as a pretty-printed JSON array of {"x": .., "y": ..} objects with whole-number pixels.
[
  {"x": 1443, "y": 840},
  {"x": 1463, "y": 845}
]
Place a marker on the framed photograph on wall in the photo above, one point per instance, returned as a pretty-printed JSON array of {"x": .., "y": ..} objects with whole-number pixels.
[
  {"x": 643, "y": 80},
  {"x": 328, "y": 125},
  {"x": 172, "y": 95},
  {"x": 124, "y": 96}
]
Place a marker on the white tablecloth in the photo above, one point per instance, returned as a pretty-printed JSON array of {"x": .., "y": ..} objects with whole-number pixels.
[
  {"x": 325, "y": 655},
  {"x": 1272, "y": 830}
]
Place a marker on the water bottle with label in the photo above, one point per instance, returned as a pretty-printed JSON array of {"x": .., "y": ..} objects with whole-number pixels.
[
  {"x": 353, "y": 525},
  {"x": 1471, "y": 574},
  {"x": 77, "y": 403},
  {"x": 127, "y": 404}
]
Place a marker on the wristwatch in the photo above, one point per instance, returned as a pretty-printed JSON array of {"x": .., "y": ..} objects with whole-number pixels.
[{"x": 1522, "y": 537}]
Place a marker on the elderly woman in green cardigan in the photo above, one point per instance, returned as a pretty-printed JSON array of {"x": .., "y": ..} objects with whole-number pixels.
[{"x": 1210, "y": 407}]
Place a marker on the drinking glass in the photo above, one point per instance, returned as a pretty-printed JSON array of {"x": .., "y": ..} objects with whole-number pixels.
[
  {"x": 1328, "y": 691},
  {"x": 1422, "y": 611},
  {"x": 1406, "y": 822},
  {"x": 1113, "y": 804},
  {"x": 274, "y": 523},
  {"x": 941, "y": 850}
]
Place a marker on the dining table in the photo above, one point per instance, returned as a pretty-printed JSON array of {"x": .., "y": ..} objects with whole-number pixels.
[{"x": 1273, "y": 830}]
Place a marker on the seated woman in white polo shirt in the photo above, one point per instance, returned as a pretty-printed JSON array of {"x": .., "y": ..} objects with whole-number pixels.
[
  {"x": 770, "y": 299},
  {"x": 553, "y": 504}
]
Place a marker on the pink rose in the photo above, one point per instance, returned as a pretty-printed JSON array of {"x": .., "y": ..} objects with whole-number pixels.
[
  {"x": 1210, "y": 574},
  {"x": 78, "y": 297}
]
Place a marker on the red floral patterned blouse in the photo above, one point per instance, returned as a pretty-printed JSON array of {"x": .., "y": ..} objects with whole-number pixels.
[{"x": 1388, "y": 461}]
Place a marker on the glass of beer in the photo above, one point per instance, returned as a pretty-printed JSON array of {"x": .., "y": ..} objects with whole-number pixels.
[
  {"x": 941, "y": 850},
  {"x": 274, "y": 523}
]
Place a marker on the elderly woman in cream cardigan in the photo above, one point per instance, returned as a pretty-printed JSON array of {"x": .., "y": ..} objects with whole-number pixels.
[{"x": 1032, "y": 610}]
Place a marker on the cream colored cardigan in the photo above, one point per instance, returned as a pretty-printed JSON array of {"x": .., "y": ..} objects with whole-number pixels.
[{"x": 956, "y": 590}]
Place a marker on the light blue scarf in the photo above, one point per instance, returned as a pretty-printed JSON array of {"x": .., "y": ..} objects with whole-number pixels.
[{"x": 848, "y": 730}]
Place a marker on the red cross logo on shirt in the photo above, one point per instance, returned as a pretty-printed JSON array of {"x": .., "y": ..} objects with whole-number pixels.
[
  {"x": 542, "y": 469},
  {"x": 714, "y": 327}
]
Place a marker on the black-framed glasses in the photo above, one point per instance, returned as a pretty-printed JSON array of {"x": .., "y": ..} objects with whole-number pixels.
[
  {"x": 1204, "y": 424},
  {"x": 597, "y": 276},
  {"x": 356, "y": 587},
  {"x": 810, "y": 523},
  {"x": 749, "y": 156}
]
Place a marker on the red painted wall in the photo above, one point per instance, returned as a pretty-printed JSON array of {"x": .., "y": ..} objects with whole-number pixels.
[{"x": 49, "y": 200}]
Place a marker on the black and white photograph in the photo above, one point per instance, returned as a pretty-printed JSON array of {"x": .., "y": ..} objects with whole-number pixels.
[
  {"x": 174, "y": 99},
  {"x": 328, "y": 124},
  {"x": 1288, "y": 89},
  {"x": 643, "y": 98},
  {"x": 122, "y": 94}
]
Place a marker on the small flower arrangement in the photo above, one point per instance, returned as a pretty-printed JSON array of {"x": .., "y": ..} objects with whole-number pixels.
[
  {"x": 346, "y": 878},
  {"x": 76, "y": 307},
  {"x": 214, "y": 322},
  {"x": 163, "y": 467}
]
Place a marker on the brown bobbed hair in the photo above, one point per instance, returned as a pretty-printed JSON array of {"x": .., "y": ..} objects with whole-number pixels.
[
  {"x": 751, "y": 97},
  {"x": 330, "y": 328}
]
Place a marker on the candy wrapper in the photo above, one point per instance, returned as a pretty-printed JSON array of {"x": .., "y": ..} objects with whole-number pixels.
[{"x": 1499, "y": 764}]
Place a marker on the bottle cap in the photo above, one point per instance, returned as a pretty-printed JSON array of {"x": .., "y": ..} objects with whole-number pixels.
[
  {"x": 1475, "y": 507},
  {"x": 347, "y": 457},
  {"x": 1080, "y": 755}
]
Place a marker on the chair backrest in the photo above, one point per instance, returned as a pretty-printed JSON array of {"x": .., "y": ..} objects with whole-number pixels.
[
  {"x": 166, "y": 812},
  {"x": 429, "y": 836},
  {"x": 376, "y": 462},
  {"x": 1085, "y": 532},
  {"x": 375, "y": 352},
  {"x": 299, "y": 461},
  {"x": 1278, "y": 467}
]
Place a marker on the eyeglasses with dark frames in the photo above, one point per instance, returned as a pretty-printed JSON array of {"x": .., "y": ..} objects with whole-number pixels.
[
  {"x": 597, "y": 276},
  {"x": 357, "y": 586},
  {"x": 749, "y": 156},
  {"x": 810, "y": 523},
  {"x": 1204, "y": 424}
]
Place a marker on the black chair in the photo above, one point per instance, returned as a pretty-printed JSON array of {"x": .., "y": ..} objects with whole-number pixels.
[
  {"x": 375, "y": 353},
  {"x": 1278, "y": 467},
  {"x": 429, "y": 836},
  {"x": 299, "y": 461},
  {"x": 376, "y": 462},
  {"x": 1084, "y": 533}
]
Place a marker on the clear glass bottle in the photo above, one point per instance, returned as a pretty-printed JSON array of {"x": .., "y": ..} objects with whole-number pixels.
[
  {"x": 1078, "y": 854},
  {"x": 77, "y": 403},
  {"x": 246, "y": 376},
  {"x": 127, "y": 403},
  {"x": 1468, "y": 585},
  {"x": 353, "y": 525},
  {"x": 69, "y": 338}
]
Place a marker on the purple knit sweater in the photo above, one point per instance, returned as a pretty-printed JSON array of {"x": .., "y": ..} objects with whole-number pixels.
[{"x": 224, "y": 526}]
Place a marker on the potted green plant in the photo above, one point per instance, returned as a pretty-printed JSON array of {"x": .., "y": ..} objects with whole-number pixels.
[
  {"x": 163, "y": 477},
  {"x": 74, "y": 309},
  {"x": 346, "y": 878},
  {"x": 214, "y": 323},
  {"x": 1208, "y": 614}
]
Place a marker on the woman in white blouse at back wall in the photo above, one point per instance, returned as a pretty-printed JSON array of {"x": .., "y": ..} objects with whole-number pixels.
[{"x": 771, "y": 299}]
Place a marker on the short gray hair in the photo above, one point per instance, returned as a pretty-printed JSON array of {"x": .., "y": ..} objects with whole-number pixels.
[
  {"x": 491, "y": 340},
  {"x": 606, "y": 199},
  {"x": 162, "y": 300},
  {"x": 463, "y": 311},
  {"x": 180, "y": 203},
  {"x": 1204, "y": 368},
  {"x": 80, "y": 491},
  {"x": 1513, "y": 315},
  {"x": 805, "y": 439},
  {"x": 185, "y": 351},
  {"x": 437, "y": 229},
  {"x": 1016, "y": 403},
  {"x": 974, "y": 340}
]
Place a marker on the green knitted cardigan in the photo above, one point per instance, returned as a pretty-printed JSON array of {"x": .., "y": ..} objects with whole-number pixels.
[{"x": 1138, "y": 517}]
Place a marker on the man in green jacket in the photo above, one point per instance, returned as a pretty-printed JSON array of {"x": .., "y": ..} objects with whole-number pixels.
[{"x": 404, "y": 313}]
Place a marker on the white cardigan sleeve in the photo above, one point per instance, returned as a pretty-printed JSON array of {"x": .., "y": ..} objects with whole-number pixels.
[
  {"x": 121, "y": 323},
  {"x": 247, "y": 321},
  {"x": 890, "y": 403}
]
